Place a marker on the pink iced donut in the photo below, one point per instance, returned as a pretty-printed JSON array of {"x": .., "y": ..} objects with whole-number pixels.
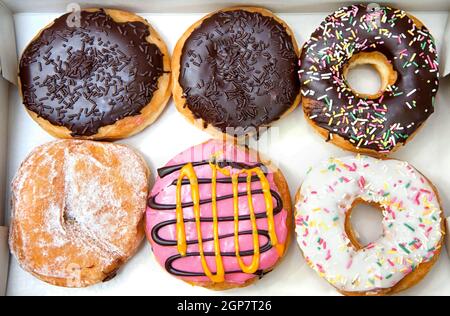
[{"x": 218, "y": 216}]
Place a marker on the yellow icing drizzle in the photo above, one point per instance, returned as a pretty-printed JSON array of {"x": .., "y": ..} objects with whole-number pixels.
[
  {"x": 189, "y": 172},
  {"x": 255, "y": 261}
]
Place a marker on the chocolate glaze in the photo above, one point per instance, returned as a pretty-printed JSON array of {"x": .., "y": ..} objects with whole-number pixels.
[
  {"x": 239, "y": 69},
  {"x": 263, "y": 248},
  {"x": 380, "y": 123},
  {"x": 90, "y": 76},
  {"x": 152, "y": 203},
  {"x": 164, "y": 171},
  {"x": 157, "y": 206}
]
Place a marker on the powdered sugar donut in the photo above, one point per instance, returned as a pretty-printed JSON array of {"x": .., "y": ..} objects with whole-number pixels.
[
  {"x": 78, "y": 210},
  {"x": 412, "y": 224},
  {"x": 218, "y": 216}
]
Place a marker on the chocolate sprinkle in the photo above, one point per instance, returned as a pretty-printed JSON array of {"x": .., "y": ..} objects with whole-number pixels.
[
  {"x": 87, "y": 77},
  {"x": 239, "y": 69}
]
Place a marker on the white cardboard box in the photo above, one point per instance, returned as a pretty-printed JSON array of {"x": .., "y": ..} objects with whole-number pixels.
[{"x": 297, "y": 146}]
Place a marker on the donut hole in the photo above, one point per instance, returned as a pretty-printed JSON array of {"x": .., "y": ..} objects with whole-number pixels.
[
  {"x": 364, "y": 79},
  {"x": 364, "y": 223},
  {"x": 369, "y": 74}
]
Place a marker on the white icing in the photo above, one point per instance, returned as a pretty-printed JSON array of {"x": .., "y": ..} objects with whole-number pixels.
[{"x": 411, "y": 221}]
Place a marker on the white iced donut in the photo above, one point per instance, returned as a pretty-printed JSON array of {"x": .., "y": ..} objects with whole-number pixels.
[{"x": 412, "y": 222}]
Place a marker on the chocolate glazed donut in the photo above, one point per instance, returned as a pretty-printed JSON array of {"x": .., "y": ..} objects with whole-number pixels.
[
  {"x": 404, "y": 53},
  {"x": 95, "y": 74},
  {"x": 235, "y": 71}
]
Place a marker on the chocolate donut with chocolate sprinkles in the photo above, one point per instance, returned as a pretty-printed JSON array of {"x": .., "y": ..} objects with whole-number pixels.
[
  {"x": 102, "y": 74},
  {"x": 403, "y": 52},
  {"x": 235, "y": 70}
]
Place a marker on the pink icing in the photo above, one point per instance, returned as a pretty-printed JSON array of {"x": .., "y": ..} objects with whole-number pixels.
[{"x": 165, "y": 192}]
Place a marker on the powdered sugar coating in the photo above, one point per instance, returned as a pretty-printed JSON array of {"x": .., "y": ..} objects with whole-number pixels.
[{"x": 77, "y": 210}]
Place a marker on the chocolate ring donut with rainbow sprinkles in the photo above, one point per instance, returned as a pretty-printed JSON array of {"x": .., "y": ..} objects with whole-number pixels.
[{"x": 402, "y": 51}]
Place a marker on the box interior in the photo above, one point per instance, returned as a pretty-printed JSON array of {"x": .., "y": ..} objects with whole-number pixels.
[
  {"x": 296, "y": 148},
  {"x": 200, "y": 6}
]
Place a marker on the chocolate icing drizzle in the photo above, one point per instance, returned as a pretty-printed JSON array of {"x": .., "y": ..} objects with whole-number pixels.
[
  {"x": 162, "y": 172},
  {"x": 373, "y": 124},
  {"x": 90, "y": 76},
  {"x": 266, "y": 246},
  {"x": 239, "y": 69}
]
